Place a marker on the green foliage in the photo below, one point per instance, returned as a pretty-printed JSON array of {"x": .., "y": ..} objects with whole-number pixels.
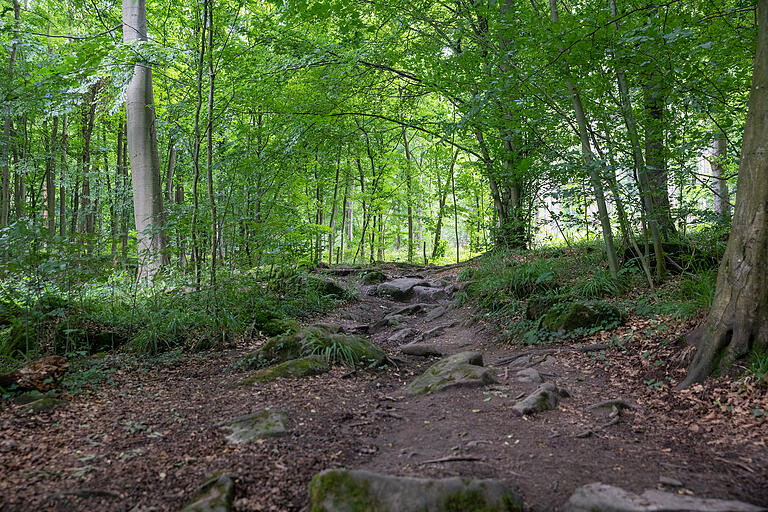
[
  {"x": 499, "y": 281},
  {"x": 466, "y": 274},
  {"x": 598, "y": 285},
  {"x": 758, "y": 364},
  {"x": 680, "y": 299}
]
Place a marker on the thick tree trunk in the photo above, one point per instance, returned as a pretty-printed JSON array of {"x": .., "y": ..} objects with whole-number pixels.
[
  {"x": 722, "y": 197},
  {"x": 142, "y": 147},
  {"x": 738, "y": 319},
  {"x": 655, "y": 158}
]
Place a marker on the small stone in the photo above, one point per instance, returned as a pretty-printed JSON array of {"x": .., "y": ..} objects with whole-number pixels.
[
  {"x": 529, "y": 375},
  {"x": 261, "y": 425},
  {"x": 215, "y": 495},
  {"x": 545, "y": 398},
  {"x": 670, "y": 481}
]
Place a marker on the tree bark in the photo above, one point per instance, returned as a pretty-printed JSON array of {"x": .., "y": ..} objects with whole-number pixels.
[
  {"x": 142, "y": 147},
  {"x": 409, "y": 198},
  {"x": 62, "y": 189},
  {"x": 5, "y": 191},
  {"x": 209, "y": 161},
  {"x": 589, "y": 160},
  {"x": 738, "y": 319},
  {"x": 655, "y": 158},
  {"x": 722, "y": 197}
]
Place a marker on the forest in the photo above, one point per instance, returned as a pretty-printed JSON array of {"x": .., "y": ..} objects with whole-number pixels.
[{"x": 385, "y": 255}]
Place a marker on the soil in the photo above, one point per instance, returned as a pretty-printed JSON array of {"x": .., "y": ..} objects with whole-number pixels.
[{"x": 146, "y": 440}]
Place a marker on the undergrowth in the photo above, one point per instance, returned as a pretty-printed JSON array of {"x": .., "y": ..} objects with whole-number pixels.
[{"x": 116, "y": 313}]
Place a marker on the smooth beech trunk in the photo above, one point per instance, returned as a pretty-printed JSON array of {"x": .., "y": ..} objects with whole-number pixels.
[
  {"x": 738, "y": 319},
  {"x": 142, "y": 148}
]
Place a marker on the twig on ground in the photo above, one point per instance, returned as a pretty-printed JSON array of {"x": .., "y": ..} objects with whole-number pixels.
[{"x": 452, "y": 459}]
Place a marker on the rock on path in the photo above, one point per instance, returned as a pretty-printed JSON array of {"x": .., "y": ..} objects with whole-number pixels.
[
  {"x": 599, "y": 497},
  {"x": 463, "y": 369},
  {"x": 352, "y": 490}
]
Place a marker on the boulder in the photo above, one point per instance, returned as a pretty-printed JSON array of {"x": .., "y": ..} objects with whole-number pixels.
[
  {"x": 374, "y": 277},
  {"x": 344, "y": 490},
  {"x": 278, "y": 326},
  {"x": 315, "y": 339},
  {"x": 529, "y": 375},
  {"x": 292, "y": 369},
  {"x": 538, "y": 306},
  {"x": 428, "y": 294},
  {"x": 546, "y": 397},
  {"x": 421, "y": 350},
  {"x": 215, "y": 495},
  {"x": 569, "y": 316},
  {"x": 326, "y": 286},
  {"x": 459, "y": 370},
  {"x": 400, "y": 289},
  {"x": 599, "y": 497},
  {"x": 261, "y": 425}
]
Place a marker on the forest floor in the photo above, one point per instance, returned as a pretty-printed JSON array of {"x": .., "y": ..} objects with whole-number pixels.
[{"x": 147, "y": 438}]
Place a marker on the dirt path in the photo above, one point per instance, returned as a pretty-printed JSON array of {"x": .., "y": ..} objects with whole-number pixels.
[{"x": 147, "y": 440}]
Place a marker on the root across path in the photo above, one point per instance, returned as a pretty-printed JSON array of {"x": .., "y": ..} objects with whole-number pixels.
[{"x": 547, "y": 420}]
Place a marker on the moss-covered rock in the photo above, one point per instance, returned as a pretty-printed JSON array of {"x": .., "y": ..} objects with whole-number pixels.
[
  {"x": 569, "y": 316},
  {"x": 374, "y": 277},
  {"x": 320, "y": 339},
  {"x": 326, "y": 286},
  {"x": 261, "y": 425},
  {"x": 363, "y": 491},
  {"x": 278, "y": 326},
  {"x": 44, "y": 404},
  {"x": 539, "y": 305},
  {"x": 459, "y": 370},
  {"x": 217, "y": 494},
  {"x": 293, "y": 369}
]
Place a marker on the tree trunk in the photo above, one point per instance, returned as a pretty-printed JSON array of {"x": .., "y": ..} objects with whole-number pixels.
[
  {"x": 124, "y": 194},
  {"x": 589, "y": 160},
  {"x": 738, "y": 319},
  {"x": 209, "y": 161},
  {"x": 62, "y": 190},
  {"x": 50, "y": 179},
  {"x": 722, "y": 197},
  {"x": 332, "y": 222},
  {"x": 655, "y": 158},
  {"x": 142, "y": 147},
  {"x": 646, "y": 188},
  {"x": 5, "y": 192},
  {"x": 409, "y": 198}
]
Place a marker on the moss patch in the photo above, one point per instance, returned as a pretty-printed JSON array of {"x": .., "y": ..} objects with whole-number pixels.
[
  {"x": 341, "y": 492},
  {"x": 293, "y": 369},
  {"x": 569, "y": 316},
  {"x": 278, "y": 326}
]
